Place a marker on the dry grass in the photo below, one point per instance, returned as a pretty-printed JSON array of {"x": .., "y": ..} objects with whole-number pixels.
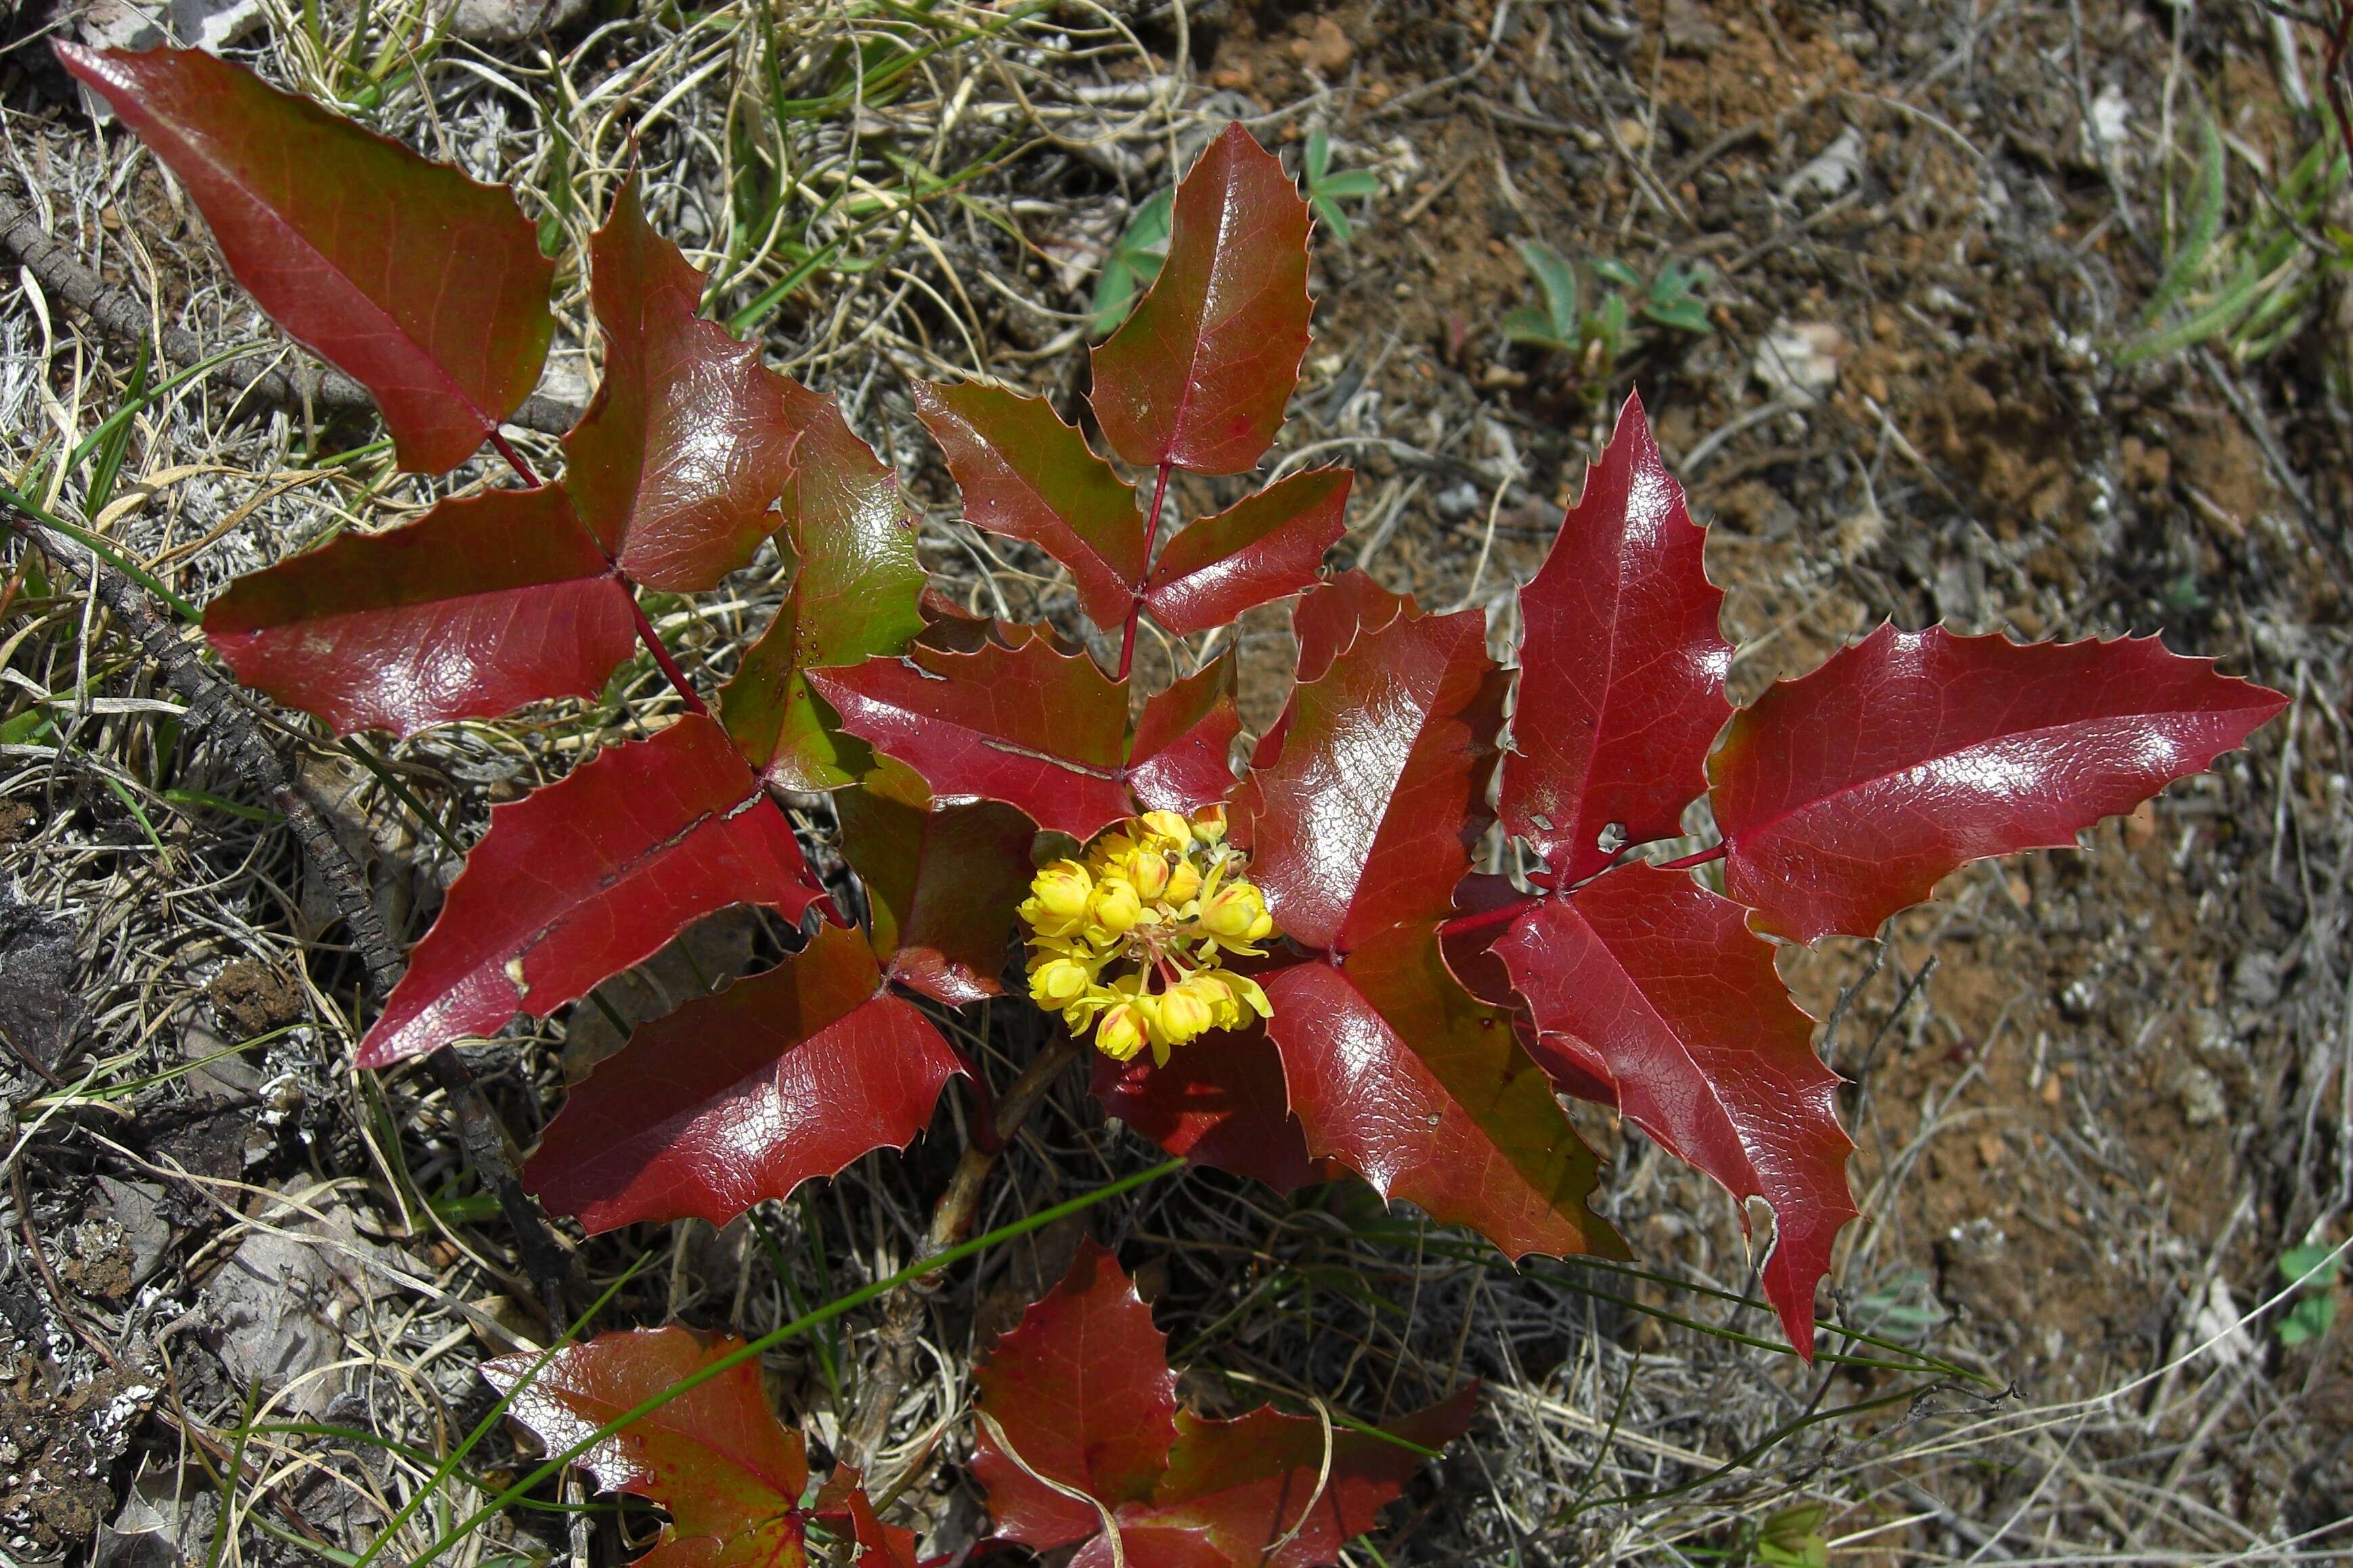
[{"x": 1631, "y": 1416}]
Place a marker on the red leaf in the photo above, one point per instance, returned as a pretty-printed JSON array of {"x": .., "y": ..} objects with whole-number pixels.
[
  {"x": 744, "y": 1095},
  {"x": 1025, "y": 474},
  {"x": 715, "y": 1456},
  {"x": 1621, "y": 666},
  {"x": 1197, "y": 376},
  {"x": 855, "y": 594},
  {"x": 480, "y": 605},
  {"x": 1184, "y": 743},
  {"x": 940, "y": 882},
  {"x": 580, "y": 879},
  {"x": 1218, "y": 1102},
  {"x": 425, "y": 287},
  {"x": 1080, "y": 1394},
  {"x": 1045, "y": 731},
  {"x": 1250, "y": 1480},
  {"x": 1267, "y": 546},
  {"x": 1399, "y": 1074},
  {"x": 1331, "y": 617},
  {"x": 1710, "y": 1056},
  {"x": 689, "y": 437},
  {"x": 1364, "y": 817},
  {"x": 843, "y": 1498},
  {"x": 1845, "y": 795},
  {"x": 1036, "y": 729},
  {"x": 1081, "y": 1389}
]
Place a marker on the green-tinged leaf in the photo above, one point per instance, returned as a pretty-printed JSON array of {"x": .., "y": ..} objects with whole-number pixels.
[
  {"x": 1556, "y": 278},
  {"x": 1609, "y": 269},
  {"x": 854, "y": 593},
  {"x": 1134, "y": 261},
  {"x": 2195, "y": 243},
  {"x": 1526, "y": 325},
  {"x": 1027, "y": 475},
  {"x": 1349, "y": 183}
]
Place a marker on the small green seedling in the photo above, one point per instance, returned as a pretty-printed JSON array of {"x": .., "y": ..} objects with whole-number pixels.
[
  {"x": 1598, "y": 331},
  {"x": 1328, "y": 187},
  {"x": 1134, "y": 261},
  {"x": 2312, "y": 1269},
  {"x": 1793, "y": 1538}
]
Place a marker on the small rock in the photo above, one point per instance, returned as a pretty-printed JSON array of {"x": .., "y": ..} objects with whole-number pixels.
[
  {"x": 1326, "y": 49},
  {"x": 2221, "y": 1328},
  {"x": 2255, "y": 978},
  {"x": 1799, "y": 361},
  {"x": 1688, "y": 29},
  {"x": 511, "y": 21},
  {"x": 2200, "y": 1094},
  {"x": 2111, "y": 115},
  {"x": 1830, "y": 172},
  {"x": 1634, "y": 134}
]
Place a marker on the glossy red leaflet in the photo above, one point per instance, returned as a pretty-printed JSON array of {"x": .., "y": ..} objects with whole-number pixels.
[
  {"x": 1027, "y": 475},
  {"x": 940, "y": 882},
  {"x": 743, "y": 1096},
  {"x": 1257, "y": 550},
  {"x": 424, "y": 286},
  {"x": 580, "y": 879},
  {"x": 1220, "y": 1102},
  {"x": 1364, "y": 817},
  {"x": 1621, "y": 666},
  {"x": 1843, "y": 795},
  {"x": 1198, "y": 375},
  {"x": 1180, "y": 758},
  {"x": 1080, "y": 1396},
  {"x": 480, "y": 605},
  {"x": 1665, "y": 981},
  {"x": 1082, "y": 1391},
  {"x": 689, "y": 437},
  {"x": 1038, "y": 729},
  {"x": 715, "y": 1456},
  {"x": 856, "y": 588},
  {"x": 1398, "y": 1073}
]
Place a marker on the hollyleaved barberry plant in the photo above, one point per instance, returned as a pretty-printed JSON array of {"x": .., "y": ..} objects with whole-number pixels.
[{"x": 1296, "y": 970}]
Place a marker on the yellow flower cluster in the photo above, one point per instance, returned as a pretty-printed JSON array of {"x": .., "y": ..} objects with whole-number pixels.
[{"x": 1132, "y": 941}]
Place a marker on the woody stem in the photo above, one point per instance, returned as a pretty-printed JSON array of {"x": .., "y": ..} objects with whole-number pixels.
[{"x": 1135, "y": 606}]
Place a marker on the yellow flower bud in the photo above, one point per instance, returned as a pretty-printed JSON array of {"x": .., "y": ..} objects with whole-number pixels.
[
  {"x": 1116, "y": 907},
  {"x": 1170, "y": 825},
  {"x": 1057, "y": 982},
  {"x": 1188, "y": 1009},
  {"x": 1149, "y": 872},
  {"x": 1121, "y": 1031},
  {"x": 1062, "y": 889},
  {"x": 1184, "y": 883},
  {"x": 1209, "y": 826},
  {"x": 1233, "y": 910}
]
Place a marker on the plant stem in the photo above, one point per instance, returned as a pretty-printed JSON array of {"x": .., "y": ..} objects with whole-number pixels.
[
  {"x": 902, "y": 1318},
  {"x": 647, "y": 634},
  {"x": 1484, "y": 920},
  {"x": 1135, "y": 606},
  {"x": 515, "y": 459}
]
